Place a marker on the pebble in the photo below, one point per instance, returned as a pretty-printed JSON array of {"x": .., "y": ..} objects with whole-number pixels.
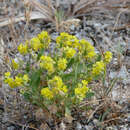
[
  {"x": 78, "y": 126},
  {"x": 88, "y": 127},
  {"x": 11, "y": 128}
]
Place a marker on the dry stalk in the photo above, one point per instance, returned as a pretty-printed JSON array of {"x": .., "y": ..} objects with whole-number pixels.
[
  {"x": 112, "y": 119},
  {"x": 22, "y": 125},
  {"x": 91, "y": 116},
  {"x": 49, "y": 13},
  {"x": 91, "y": 102}
]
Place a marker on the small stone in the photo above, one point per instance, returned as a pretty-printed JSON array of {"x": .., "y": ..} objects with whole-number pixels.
[
  {"x": 78, "y": 126},
  {"x": 11, "y": 128},
  {"x": 128, "y": 52},
  {"x": 96, "y": 116},
  {"x": 72, "y": 27},
  {"x": 128, "y": 119},
  {"x": 95, "y": 121},
  {"x": 88, "y": 127}
]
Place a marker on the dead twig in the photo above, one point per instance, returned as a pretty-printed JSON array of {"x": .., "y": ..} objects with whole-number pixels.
[{"x": 33, "y": 15}]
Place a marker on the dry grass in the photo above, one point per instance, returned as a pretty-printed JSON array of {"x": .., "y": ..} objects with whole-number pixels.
[
  {"x": 52, "y": 13},
  {"x": 34, "y": 10}
]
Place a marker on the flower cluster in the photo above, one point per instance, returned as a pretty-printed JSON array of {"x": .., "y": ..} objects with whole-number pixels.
[
  {"x": 87, "y": 49},
  {"x": 44, "y": 39},
  {"x": 17, "y": 81},
  {"x": 61, "y": 77},
  {"x": 81, "y": 90},
  {"x": 36, "y": 43},
  {"x": 15, "y": 65},
  {"x": 23, "y": 49},
  {"x": 98, "y": 68},
  {"x": 45, "y": 92},
  {"x": 107, "y": 56},
  {"x": 57, "y": 84},
  {"x": 62, "y": 64},
  {"x": 56, "y": 87},
  {"x": 69, "y": 52},
  {"x": 47, "y": 63}
]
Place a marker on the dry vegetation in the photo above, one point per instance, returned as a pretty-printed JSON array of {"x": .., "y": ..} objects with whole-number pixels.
[{"x": 52, "y": 11}]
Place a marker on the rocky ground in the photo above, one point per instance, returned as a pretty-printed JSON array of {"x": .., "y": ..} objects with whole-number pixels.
[{"x": 106, "y": 32}]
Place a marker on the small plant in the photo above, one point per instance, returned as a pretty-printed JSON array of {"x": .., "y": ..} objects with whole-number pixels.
[{"x": 57, "y": 76}]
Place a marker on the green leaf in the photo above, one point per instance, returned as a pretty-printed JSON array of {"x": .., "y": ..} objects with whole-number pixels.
[
  {"x": 35, "y": 80},
  {"x": 68, "y": 76},
  {"x": 40, "y": 53},
  {"x": 111, "y": 86},
  {"x": 67, "y": 111},
  {"x": 89, "y": 94},
  {"x": 27, "y": 69},
  {"x": 105, "y": 114},
  {"x": 27, "y": 96},
  {"x": 71, "y": 62}
]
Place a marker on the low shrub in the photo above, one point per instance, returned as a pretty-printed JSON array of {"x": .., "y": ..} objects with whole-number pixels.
[{"x": 56, "y": 74}]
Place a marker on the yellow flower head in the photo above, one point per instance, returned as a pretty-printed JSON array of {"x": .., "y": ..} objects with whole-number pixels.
[
  {"x": 47, "y": 63},
  {"x": 36, "y": 44},
  {"x": 26, "y": 78},
  {"x": 23, "y": 49},
  {"x": 84, "y": 82},
  {"x": 10, "y": 82},
  {"x": 69, "y": 52},
  {"x": 62, "y": 38},
  {"x": 107, "y": 56},
  {"x": 44, "y": 38},
  {"x": 15, "y": 65},
  {"x": 56, "y": 82},
  {"x": 64, "y": 89},
  {"x": 62, "y": 63},
  {"x": 87, "y": 49},
  {"x": 81, "y": 90},
  {"x": 47, "y": 93},
  {"x": 18, "y": 81},
  {"x": 7, "y": 74},
  {"x": 98, "y": 68},
  {"x": 90, "y": 55}
]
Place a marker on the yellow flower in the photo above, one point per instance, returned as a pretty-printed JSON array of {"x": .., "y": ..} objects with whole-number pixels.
[
  {"x": 107, "y": 56},
  {"x": 18, "y": 81},
  {"x": 90, "y": 55},
  {"x": 62, "y": 63},
  {"x": 65, "y": 39},
  {"x": 87, "y": 49},
  {"x": 64, "y": 89},
  {"x": 84, "y": 82},
  {"x": 23, "y": 49},
  {"x": 79, "y": 94},
  {"x": 81, "y": 90},
  {"x": 44, "y": 38},
  {"x": 74, "y": 41},
  {"x": 84, "y": 90},
  {"x": 10, "y": 82},
  {"x": 14, "y": 64},
  {"x": 62, "y": 38},
  {"x": 46, "y": 58},
  {"x": 25, "y": 78},
  {"x": 98, "y": 68},
  {"x": 69, "y": 52},
  {"x": 47, "y": 93},
  {"x": 56, "y": 82},
  {"x": 77, "y": 91},
  {"x": 47, "y": 63},
  {"x": 36, "y": 44},
  {"x": 7, "y": 74}
]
